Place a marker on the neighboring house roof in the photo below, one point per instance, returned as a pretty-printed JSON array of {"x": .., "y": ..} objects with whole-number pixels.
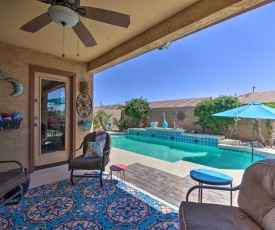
[
  {"x": 261, "y": 97},
  {"x": 189, "y": 102}
]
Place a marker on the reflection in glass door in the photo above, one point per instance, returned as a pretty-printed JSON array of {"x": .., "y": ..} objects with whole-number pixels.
[{"x": 53, "y": 116}]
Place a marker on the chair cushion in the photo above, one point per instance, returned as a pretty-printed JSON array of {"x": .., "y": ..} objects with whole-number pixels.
[
  {"x": 94, "y": 163},
  {"x": 91, "y": 137},
  {"x": 94, "y": 149},
  {"x": 213, "y": 216},
  {"x": 101, "y": 137},
  {"x": 257, "y": 193},
  {"x": 9, "y": 180}
]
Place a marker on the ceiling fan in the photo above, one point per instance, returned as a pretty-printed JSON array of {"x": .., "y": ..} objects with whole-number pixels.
[{"x": 66, "y": 13}]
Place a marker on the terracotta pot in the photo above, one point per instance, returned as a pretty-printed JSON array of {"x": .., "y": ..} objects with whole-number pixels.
[{"x": 84, "y": 87}]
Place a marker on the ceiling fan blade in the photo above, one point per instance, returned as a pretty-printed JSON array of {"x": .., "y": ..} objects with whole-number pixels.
[
  {"x": 84, "y": 35},
  {"x": 45, "y": 1},
  {"x": 106, "y": 16},
  {"x": 37, "y": 23}
]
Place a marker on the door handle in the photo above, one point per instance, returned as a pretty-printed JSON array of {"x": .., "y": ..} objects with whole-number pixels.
[{"x": 36, "y": 124}]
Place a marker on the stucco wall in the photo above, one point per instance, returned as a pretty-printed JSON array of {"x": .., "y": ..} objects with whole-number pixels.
[
  {"x": 15, "y": 62},
  {"x": 243, "y": 132},
  {"x": 110, "y": 110},
  {"x": 156, "y": 114}
]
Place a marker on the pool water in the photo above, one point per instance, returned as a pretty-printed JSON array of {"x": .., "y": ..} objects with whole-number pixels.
[{"x": 175, "y": 151}]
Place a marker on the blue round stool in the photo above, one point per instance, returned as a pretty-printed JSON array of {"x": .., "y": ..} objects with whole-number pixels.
[{"x": 206, "y": 176}]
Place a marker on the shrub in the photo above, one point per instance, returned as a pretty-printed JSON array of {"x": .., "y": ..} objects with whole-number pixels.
[
  {"x": 137, "y": 108},
  {"x": 220, "y": 125},
  {"x": 121, "y": 124}
]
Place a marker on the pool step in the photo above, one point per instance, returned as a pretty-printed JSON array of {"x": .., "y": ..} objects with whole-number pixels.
[
  {"x": 230, "y": 142},
  {"x": 263, "y": 152}
]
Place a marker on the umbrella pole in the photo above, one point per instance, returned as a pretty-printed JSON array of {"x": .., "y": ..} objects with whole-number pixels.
[{"x": 252, "y": 153}]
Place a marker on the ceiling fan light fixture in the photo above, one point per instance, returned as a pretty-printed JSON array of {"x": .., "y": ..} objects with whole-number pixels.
[{"x": 63, "y": 15}]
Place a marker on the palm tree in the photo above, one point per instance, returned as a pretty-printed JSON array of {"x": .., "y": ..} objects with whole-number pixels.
[
  {"x": 121, "y": 108},
  {"x": 101, "y": 117}
]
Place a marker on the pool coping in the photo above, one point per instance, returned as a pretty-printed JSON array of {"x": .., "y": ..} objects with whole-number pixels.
[{"x": 262, "y": 152}]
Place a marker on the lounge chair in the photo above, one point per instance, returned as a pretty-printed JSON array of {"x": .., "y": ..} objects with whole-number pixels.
[
  {"x": 9, "y": 180},
  {"x": 256, "y": 202},
  {"x": 94, "y": 163}
]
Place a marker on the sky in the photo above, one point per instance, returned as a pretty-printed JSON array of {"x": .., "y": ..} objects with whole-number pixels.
[{"x": 226, "y": 59}]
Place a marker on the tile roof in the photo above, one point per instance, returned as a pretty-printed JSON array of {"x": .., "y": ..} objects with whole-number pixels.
[
  {"x": 189, "y": 102},
  {"x": 261, "y": 97}
]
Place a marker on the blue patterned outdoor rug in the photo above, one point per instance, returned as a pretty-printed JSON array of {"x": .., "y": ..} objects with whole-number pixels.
[{"x": 86, "y": 206}]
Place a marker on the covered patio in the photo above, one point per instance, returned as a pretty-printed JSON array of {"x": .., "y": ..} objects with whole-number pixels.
[
  {"x": 165, "y": 180},
  {"x": 28, "y": 57},
  {"x": 53, "y": 56}
]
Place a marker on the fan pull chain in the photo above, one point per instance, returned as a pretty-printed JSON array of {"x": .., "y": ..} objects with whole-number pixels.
[
  {"x": 77, "y": 46},
  {"x": 63, "y": 55}
]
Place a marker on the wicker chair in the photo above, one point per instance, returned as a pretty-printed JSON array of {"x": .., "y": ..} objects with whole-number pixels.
[
  {"x": 96, "y": 163},
  {"x": 256, "y": 202},
  {"x": 10, "y": 180}
]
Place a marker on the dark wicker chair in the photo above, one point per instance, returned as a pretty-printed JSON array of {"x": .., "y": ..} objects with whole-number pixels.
[
  {"x": 97, "y": 163},
  {"x": 11, "y": 180},
  {"x": 256, "y": 202}
]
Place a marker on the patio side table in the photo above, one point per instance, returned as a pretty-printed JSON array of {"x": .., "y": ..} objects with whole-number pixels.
[
  {"x": 52, "y": 132},
  {"x": 206, "y": 176},
  {"x": 119, "y": 168}
]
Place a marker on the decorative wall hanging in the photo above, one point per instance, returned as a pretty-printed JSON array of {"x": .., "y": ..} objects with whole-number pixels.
[
  {"x": 180, "y": 115},
  {"x": 84, "y": 87},
  {"x": 10, "y": 120},
  {"x": 18, "y": 86},
  {"x": 84, "y": 105}
]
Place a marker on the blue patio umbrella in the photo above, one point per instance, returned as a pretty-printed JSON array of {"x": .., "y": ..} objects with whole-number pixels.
[
  {"x": 254, "y": 110},
  {"x": 57, "y": 101}
]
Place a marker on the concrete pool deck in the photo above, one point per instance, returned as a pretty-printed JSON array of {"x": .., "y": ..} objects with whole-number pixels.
[{"x": 165, "y": 180}]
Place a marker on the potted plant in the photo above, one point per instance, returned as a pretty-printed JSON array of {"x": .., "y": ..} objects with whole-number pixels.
[
  {"x": 154, "y": 124},
  {"x": 121, "y": 124}
]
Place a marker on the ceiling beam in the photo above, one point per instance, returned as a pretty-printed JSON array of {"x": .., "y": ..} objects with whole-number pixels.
[{"x": 198, "y": 16}]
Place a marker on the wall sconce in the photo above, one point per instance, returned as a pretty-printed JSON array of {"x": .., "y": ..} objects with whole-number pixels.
[
  {"x": 84, "y": 87},
  {"x": 85, "y": 125}
]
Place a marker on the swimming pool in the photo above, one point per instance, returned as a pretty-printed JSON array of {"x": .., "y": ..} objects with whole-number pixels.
[{"x": 174, "y": 151}]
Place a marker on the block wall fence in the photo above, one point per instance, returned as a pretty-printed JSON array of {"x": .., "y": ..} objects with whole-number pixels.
[{"x": 243, "y": 132}]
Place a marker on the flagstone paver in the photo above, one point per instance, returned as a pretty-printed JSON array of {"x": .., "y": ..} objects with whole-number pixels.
[{"x": 170, "y": 187}]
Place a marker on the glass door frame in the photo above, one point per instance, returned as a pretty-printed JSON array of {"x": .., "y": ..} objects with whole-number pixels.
[
  {"x": 52, "y": 137},
  {"x": 72, "y": 99}
]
